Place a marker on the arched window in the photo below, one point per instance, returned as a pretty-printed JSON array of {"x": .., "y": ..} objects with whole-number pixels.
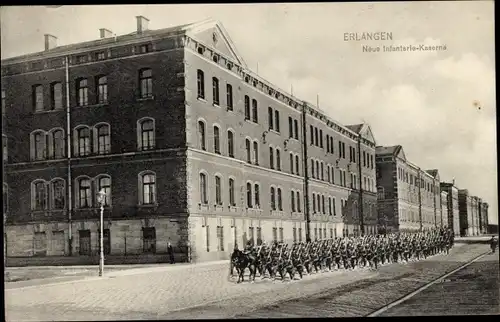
[
  {"x": 323, "y": 204},
  {"x": 146, "y": 134},
  {"x": 256, "y": 152},
  {"x": 201, "y": 135},
  {"x": 278, "y": 160},
  {"x": 296, "y": 127},
  {"x": 58, "y": 194},
  {"x": 39, "y": 195},
  {"x": 257, "y": 195},
  {"x": 103, "y": 136},
  {"x": 229, "y": 97},
  {"x": 322, "y": 171},
  {"x": 201, "y": 83},
  {"x": 249, "y": 195},
  {"x": 270, "y": 117},
  {"x": 312, "y": 168},
  {"x": 230, "y": 143},
  {"x": 82, "y": 92},
  {"x": 299, "y": 209},
  {"x": 247, "y": 107},
  {"x": 203, "y": 189},
  {"x": 317, "y": 169},
  {"x": 146, "y": 83},
  {"x": 104, "y": 184},
  {"x": 314, "y": 202},
  {"x": 248, "y": 148},
  {"x": 273, "y": 199},
  {"x": 56, "y": 144},
  {"x": 147, "y": 184},
  {"x": 271, "y": 157},
  {"x": 297, "y": 165},
  {"x": 38, "y": 150},
  {"x": 291, "y": 162},
  {"x": 292, "y": 200},
  {"x": 280, "y": 203},
  {"x": 232, "y": 199},
  {"x": 215, "y": 91},
  {"x": 83, "y": 141},
  {"x": 255, "y": 117},
  {"x": 276, "y": 120},
  {"x": 84, "y": 193},
  {"x": 102, "y": 90},
  {"x": 218, "y": 191},
  {"x": 216, "y": 139}
]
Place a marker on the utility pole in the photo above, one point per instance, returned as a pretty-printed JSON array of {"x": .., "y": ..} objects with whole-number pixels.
[{"x": 306, "y": 172}]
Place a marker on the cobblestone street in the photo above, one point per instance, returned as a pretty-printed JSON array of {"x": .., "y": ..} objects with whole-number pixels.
[{"x": 205, "y": 291}]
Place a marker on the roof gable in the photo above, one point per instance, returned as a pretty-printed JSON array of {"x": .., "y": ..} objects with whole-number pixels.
[
  {"x": 213, "y": 34},
  {"x": 400, "y": 153},
  {"x": 366, "y": 132}
]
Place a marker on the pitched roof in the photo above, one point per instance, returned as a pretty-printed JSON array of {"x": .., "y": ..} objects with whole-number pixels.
[
  {"x": 432, "y": 172},
  {"x": 99, "y": 42},
  {"x": 355, "y": 127},
  {"x": 387, "y": 149}
]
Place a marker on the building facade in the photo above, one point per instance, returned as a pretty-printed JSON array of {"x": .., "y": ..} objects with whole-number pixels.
[
  {"x": 465, "y": 206},
  {"x": 444, "y": 209},
  {"x": 452, "y": 206},
  {"x": 190, "y": 147},
  {"x": 483, "y": 217},
  {"x": 408, "y": 197}
]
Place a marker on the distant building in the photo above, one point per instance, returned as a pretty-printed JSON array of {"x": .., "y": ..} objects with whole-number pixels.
[
  {"x": 444, "y": 209},
  {"x": 408, "y": 197},
  {"x": 483, "y": 217},
  {"x": 452, "y": 206}
]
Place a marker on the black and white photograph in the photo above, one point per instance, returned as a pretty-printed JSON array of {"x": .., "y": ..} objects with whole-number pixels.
[{"x": 249, "y": 160}]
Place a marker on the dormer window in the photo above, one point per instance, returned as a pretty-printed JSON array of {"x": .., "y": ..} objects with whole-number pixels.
[
  {"x": 81, "y": 59},
  {"x": 146, "y": 48},
  {"x": 201, "y": 50},
  {"x": 229, "y": 65},
  {"x": 215, "y": 58}
]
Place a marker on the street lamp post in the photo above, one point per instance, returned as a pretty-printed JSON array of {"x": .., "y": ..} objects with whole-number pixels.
[{"x": 101, "y": 200}]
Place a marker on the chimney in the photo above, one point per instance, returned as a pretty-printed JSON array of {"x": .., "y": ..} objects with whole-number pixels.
[
  {"x": 50, "y": 42},
  {"x": 105, "y": 33},
  {"x": 142, "y": 24}
]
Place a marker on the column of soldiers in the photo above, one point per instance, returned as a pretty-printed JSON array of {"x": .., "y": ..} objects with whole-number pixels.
[{"x": 347, "y": 252}]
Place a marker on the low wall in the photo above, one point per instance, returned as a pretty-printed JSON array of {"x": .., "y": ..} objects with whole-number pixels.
[{"x": 93, "y": 260}]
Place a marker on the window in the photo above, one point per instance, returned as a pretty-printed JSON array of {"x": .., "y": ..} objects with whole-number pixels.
[
  {"x": 280, "y": 203},
  {"x": 203, "y": 189},
  {"x": 38, "y": 97},
  {"x": 316, "y": 136},
  {"x": 255, "y": 116},
  {"x": 148, "y": 189},
  {"x": 316, "y": 233},
  {"x": 39, "y": 145},
  {"x": 300, "y": 235},
  {"x": 146, "y": 48},
  {"x": 82, "y": 92},
  {"x": 39, "y": 193},
  {"x": 256, "y": 152},
  {"x": 281, "y": 235},
  {"x": 251, "y": 234},
  {"x": 275, "y": 234},
  {"x": 321, "y": 139},
  {"x": 331, "y": 144},
  {"x": 230, "y": 143},
  {"x": 294, "y": 233},
  {"x": 271, "y": 157},
  {"x": 56, "y": 144},
  {"x": 327, "y": 143},
  {"x": 276, "y": 120},
  {"x": 84, "y": 193},
  {"x": 81, "y": 59},
  {"x": 270, "y": 117},
  {"x": 296, "y": 126},
  {"x": 220, "y": 238},
  {"x": 229, "y": 97},
  {"x": 364, "y": 159},
  {"x": 343, "y": 178},
  {"x": 232, "y": 199},
  {"x": 299, "y": 209},
  {"x": 380, "y": 193},
  {"x": 218, "y": 191},
  {"x": 317, "y": 169},
  {"x": 257, "y": 195},
  {"x": 249, "y": 153},
  {"x": 146, "y": 83},
  {"x": 273, "y": 199},
  {"x": 149, "y": 240},
  {"x": 102, "y": 90},
  {"x": 292, "y": 199},
  {"x": 216, "y": 140},
  {"x": 247, "y": 107},
  {"x": 201, "y": 84},
  {"x": 291, "y": 163},
  {"x": 297, "y": 164},
  {"x": 104, "y": 183},
  {"x": 100, "y": 55},
  {"x": 323, "y": 204},
  {"x": 201, "y": 133},
  {"x": 330, "y": 206},
  {"x": 311, "y": 129},
  {"x": 249, "y": 195},
  {"x": 215, "y": 91},
  {"x": 83, "y": 145},
  {"x": 259, "y": 236},
  {"x": 328, "y": 173},
  {"x": 147, "y": 131},
  {"x": 278, "y": 160},
  {"x": 207, "y": 230},
  {"x": 103, "y": 139},
  {"x": 322, "y": 171},
  {"x": 312, "y": 168},
  {"x": 56, "y": 96},
  {"x": 320, "y": 234},
  {"x": 290, "y": 127}
]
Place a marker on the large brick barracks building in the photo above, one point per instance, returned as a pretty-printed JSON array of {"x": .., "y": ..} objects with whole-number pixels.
[{"x": 190, "y": 146}]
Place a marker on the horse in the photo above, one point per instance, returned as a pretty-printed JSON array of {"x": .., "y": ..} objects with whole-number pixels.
[{"x": 243, "y": 261}]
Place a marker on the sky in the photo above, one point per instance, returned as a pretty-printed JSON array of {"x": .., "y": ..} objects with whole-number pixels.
[{"x": 426, "y": 101}]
